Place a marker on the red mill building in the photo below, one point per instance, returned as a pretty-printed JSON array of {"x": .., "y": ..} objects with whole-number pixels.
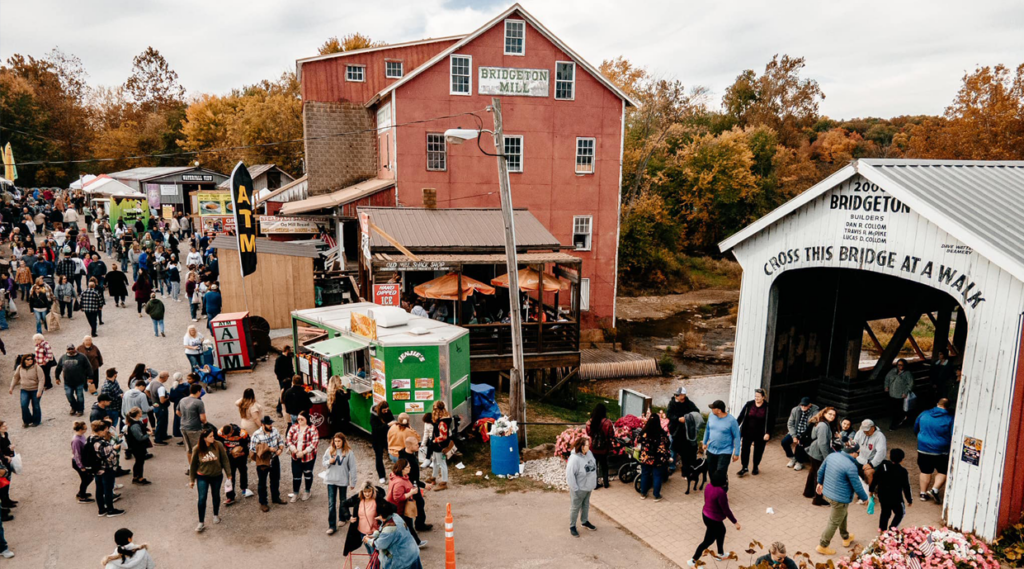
[{"x": 563, "y": 125}]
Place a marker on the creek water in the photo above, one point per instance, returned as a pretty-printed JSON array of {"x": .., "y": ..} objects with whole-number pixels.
[{"x": 648, "y": 334}]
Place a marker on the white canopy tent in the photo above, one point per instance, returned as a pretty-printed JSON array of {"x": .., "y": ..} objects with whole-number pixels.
[
  {"x": 103, "y": 186},
  {"x": 84, "y": 180}
]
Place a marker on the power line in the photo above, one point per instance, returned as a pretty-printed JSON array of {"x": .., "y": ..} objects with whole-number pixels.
[{"x": 245, "y": 147}]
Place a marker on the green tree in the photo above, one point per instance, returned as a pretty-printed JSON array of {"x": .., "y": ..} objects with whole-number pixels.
[{"x": 779, "y": 98}]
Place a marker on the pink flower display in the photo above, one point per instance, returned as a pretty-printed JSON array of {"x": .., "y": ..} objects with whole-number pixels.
[
  {"x": 923, "y": 548},
  {"x": 568, "y": 437}
]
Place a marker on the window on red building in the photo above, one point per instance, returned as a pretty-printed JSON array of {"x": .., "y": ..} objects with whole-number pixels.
[
  {"x": 514, "y": 152},
  {"x": 585, "y": 155},
  {"x": 393, "y": 69},
  {"x": 582, "y": 229},
  {"x": 462, "y": 74},
  {"x": 515, "y": 37},
  {"x": 355, "y": 73},
  {"x": 437, "y": 152},
  {"x": 565, "y": 80}
]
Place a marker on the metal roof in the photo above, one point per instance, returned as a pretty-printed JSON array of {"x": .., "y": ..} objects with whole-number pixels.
[
  {"x": 490, "y": 259},
  {"x": 339, "y": 198},
  {"x": 149, "y": 172},
  {"x": 292, "y": 191},
  {"x": 448, "y": 230},
  {"x": 981, "y": 203},
  {"x": 307, "y": 248},
  {"x": 255, "y": 171}
]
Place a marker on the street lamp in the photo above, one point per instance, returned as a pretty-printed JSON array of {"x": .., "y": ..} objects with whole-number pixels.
[{"x": 517, "y": 387}]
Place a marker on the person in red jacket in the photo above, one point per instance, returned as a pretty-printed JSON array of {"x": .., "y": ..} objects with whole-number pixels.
[{"x": 601, "y": 432}]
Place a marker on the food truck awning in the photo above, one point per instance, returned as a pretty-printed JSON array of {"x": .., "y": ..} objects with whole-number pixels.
[
  {"x": 336, "y": 199},
  {"x": 338, "y": 345}
]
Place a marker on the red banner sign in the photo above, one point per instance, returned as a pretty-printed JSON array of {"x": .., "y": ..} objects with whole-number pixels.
[{"x": 387, "y": 294}]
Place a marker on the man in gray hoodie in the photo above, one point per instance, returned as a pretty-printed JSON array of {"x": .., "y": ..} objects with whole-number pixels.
[
  {"x": 581, "y": 474},
  {"x": 136, "y": 397}
]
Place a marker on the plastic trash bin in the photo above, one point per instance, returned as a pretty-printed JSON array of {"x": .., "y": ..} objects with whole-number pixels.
[
  {"x": 505, "y": 455},
  {"x": 318, "y": 413}
]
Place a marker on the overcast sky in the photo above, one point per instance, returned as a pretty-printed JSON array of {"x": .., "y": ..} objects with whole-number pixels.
[{"x": 871, "y": 58}]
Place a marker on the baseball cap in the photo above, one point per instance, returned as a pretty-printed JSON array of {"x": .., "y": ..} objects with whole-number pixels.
[
  {"x": 851, "y": 448},
  {"x": 805, "y": 401},
  {"x": 866, "y": 425},
  {"x": 72, "y": 347},
  {"x": 680, "y": 391},
  {"x": 267, "y": 420},
  {"x": 718, "y": 404}
]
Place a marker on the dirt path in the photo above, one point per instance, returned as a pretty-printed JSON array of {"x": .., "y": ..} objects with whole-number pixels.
[
  {"x": 654, "y": 307},
  {"x": 52, "y": 530}
]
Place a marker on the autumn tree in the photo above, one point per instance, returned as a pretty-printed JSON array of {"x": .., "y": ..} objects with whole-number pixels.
[
  {"x": 152, "y": 83},
  {"x": 350, "y": 42},
  {"x": 261, "y": 117},
  {"x": 778, "y": 98}
]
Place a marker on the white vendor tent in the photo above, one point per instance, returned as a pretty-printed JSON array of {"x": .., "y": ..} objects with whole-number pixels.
[{"x": 103, "y": 186}]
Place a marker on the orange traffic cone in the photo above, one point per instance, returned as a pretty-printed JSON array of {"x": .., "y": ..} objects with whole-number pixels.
[{"x": 449, "y": 540}]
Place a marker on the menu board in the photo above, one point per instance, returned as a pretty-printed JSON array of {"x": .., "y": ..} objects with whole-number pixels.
[
  {"x": 413, "y": 407},
  {"x": 380, "y": 391},
  {"x": 401, "y": 383},
  {"x": 215, "y": 204},
  {"x": 412, "y": 372}
]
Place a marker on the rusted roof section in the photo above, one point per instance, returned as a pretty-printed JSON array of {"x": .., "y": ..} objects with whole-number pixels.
[
  {"x": 459, "y": 229},
  {"x": 383, "y": 259}
]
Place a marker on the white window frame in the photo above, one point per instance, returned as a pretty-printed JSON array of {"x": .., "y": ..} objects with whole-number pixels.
[
  {"x": 362, "y": 72},
  {"x": 522, "y": 153},
  {"x": 584, "y": 295},
  {"x": 572, "y": 83},
  {"x": 384, "y": 117},
  {"x": 401, "y": 69},
  {"x": 451, "y": 76},
  {"x": 577, "y": 221},
  {"x": 505, "y": 46},
  {"x": 593, "y": 154},
  {"x": 444, "y": 152}
]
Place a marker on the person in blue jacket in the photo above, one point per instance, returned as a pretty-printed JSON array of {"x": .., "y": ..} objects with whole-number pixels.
[
  {"x": 838, "y": 482},
  {"x": 721, "y": 438},
  {"x": 213, "y": 302},
  {"x": 934, "y": 430},
  {"x": 397, "y": 546}
]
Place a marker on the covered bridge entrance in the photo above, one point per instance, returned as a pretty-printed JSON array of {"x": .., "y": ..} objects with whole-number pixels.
[{"x": 934, "y": 245}]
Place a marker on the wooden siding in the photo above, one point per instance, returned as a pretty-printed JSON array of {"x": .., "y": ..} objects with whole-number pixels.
[
  {"x": 279, "y": 285},
  {"x": 989, "y": 363},
  {"x": 324, "y": 80}
]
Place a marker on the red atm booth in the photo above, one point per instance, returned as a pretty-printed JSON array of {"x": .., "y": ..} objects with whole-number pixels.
[{"x": 232, "y": 338}]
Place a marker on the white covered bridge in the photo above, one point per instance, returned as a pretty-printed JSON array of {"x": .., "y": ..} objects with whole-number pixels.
[{"x": 903, "y": 239}]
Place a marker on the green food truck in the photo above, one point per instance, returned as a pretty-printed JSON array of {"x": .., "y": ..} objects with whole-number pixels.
[{"x": 384, "y": 353}]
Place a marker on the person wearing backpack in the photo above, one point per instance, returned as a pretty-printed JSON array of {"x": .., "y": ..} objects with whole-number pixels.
[
  {"x": 77, "y": 444},
  {"x": 99, "y": 457}
]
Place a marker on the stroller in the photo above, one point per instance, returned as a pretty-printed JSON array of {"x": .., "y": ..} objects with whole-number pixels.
[{"x": 211, "y": 375}]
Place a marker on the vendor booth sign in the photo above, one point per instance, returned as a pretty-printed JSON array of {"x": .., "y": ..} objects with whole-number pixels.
[
  {"x": 386, "y": 294},
  {"x": 129, "y": 210},
  {"x": 273, "y": 225}
]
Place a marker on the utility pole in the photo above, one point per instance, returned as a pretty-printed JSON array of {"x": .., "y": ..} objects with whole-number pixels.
[{"x": 517, "y": 387}]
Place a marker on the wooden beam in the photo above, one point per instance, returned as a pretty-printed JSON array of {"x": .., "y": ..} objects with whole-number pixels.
[
  {"x": 941, "y": 340},
  {"x": 393, "y": 242},
  {"x": 899, "y": 338},
  {"x": 874, "y": 339},
  {"x": 560, "y": 384},
  {"x": 960, "y": 332},
  {"x": 913, "y": 342}
]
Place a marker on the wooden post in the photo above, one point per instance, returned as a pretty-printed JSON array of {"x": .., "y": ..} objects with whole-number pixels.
[
  {"x": 517, "y": 388},
  {"x": 458, "y": 299},
  {"x": 941, "y": 340},
  {"x": 854, "y": 341}
]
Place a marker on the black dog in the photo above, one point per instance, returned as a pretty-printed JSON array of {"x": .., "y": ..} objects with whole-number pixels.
[{"x": 699, "y": 469}]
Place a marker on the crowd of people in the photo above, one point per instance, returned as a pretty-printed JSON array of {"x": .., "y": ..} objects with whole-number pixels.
[
  {"x": 843, "y": 464},
  {"x": 62, "y": 257}
]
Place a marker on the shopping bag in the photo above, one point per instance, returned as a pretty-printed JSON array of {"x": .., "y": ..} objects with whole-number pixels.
[
  {"x": 910, "y": 402},
  {"x": 12, "y": 309},
  {"x": 228, "y": 486},
  {"x": 871, "y": 506},
  {"x": 52, "y": 322},
  {"x": 16, "y": 465}
]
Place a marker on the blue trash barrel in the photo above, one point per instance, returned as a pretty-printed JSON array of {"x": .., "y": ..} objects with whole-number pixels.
[{"x": 505, "y": 455}]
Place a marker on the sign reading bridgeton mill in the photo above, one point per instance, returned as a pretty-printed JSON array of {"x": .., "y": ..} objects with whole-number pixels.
[{"x": 512, "y": 81}]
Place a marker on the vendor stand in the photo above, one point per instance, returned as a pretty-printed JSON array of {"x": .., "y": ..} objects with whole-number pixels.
[{"x": 384, "y": 353}]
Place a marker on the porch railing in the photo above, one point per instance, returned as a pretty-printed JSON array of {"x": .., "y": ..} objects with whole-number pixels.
[{"x": 538, "y": 338}]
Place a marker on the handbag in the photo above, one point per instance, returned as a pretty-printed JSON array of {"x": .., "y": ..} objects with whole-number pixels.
[
  {"x": 910, "y": 402},
  {"x": 450, "y": 450},
  {"x": 77, "y": 306}
]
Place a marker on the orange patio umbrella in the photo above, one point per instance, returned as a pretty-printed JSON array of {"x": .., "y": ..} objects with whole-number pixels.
[
  {"x": 531, "y": 279},
  {"x": 444, "y": 288}
]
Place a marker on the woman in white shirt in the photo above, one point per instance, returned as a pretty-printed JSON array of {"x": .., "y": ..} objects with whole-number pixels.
[
  {"x": 193, "y": 343},
  {"x": 194, "y": 259}
]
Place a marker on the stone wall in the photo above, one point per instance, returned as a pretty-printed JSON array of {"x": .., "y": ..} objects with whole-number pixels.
[{"x": 333, "y": 162}]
